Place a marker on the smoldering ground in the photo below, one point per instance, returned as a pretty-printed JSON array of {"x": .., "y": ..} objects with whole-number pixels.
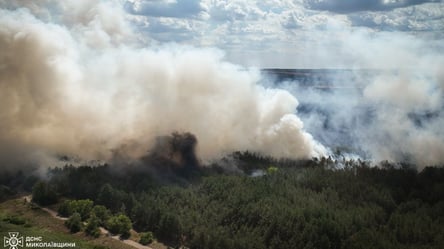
[{"x": 76, "y": 81}]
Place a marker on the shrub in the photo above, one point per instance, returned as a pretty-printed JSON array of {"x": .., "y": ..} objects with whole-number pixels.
[
  {"x": 92, "y": 227},
  {"x": 146, "y": 238},
  {"x": 74, "y": 223},
  {"x": 119, "y": 224},
  {"x": 83, "y": 207},
  {"x": 102, "y": 214},
  {"x": 16, "y": 220}
]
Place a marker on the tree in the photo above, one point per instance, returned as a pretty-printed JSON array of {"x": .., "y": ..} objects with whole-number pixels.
[
  {"x": 92, "y": 226},
  {"x": 119, "y": 224},
  {"x": 43, "y": 194},
  {"x": 146, "y": 238},
  {"x": 5, "y": 192},
  {"x": 111, "y": 198},
  {"x": 106, "y": 196},
  {"x": 169, "y": 228},
  {"x": 65, "y": 209},
  {"x": 83, "y": 207},
  {"x": 74, "y": 223},
  {"x": 102, "y": 214}
]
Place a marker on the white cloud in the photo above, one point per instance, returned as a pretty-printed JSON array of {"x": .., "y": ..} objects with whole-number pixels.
[
  {"x": 341, "y": 6},
  {"x": 165, "y": 8},
  {"x": 426, "y": 17},
  {"x": 268, "y": 33}
]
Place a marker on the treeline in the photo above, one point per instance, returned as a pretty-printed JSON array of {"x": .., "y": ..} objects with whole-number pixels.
[
  {"x": 311, "y": 204},
  {"x": 14, "y": 182}
]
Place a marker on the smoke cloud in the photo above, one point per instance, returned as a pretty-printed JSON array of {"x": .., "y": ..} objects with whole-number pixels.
[
  {"x": 390, "y": 108},
  {"x": 75, "y": 80}
]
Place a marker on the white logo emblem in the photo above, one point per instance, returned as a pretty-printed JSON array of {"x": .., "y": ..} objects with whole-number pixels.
[{"x": 14, "y": 241}]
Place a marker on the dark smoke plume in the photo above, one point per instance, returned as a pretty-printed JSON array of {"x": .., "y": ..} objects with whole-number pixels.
[{"x": 174, "y": 154}]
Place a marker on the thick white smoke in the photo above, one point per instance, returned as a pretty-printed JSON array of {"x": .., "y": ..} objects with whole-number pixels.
[
  {"x": 74, "y": 80},
  {"x": 393, "y": 109}
]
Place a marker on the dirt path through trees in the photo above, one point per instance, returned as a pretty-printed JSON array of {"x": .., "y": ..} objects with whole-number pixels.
[{"x": 103, "y": 231}]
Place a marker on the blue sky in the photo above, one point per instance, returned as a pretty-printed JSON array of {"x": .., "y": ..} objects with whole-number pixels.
[{"x": 286, "y": 33}]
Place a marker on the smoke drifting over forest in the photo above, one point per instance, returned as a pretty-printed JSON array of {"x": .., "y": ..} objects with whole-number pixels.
[
  {"x": 77, "y": 80},
  {"x": 391, "y": 111}
]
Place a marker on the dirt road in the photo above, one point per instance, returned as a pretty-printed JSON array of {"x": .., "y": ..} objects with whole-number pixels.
[{"x": 103, "y": 231}]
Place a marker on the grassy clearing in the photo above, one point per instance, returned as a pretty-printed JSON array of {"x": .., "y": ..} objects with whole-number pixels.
[{"x": 18, "y": 216}]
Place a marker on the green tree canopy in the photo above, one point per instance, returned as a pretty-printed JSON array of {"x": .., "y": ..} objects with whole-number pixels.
[
  {"x": 119, "y": 224},
  {"x": 43, "y": 194},
  {"x": 74, "y": 223}
]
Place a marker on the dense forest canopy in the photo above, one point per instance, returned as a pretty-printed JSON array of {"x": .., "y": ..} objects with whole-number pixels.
[{"x": 291, "y": 204}]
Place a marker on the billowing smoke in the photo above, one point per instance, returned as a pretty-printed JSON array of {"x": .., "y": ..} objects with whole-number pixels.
[
  {"x": 75, "y": 80},
  {"x": 390, "y": 108}
]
